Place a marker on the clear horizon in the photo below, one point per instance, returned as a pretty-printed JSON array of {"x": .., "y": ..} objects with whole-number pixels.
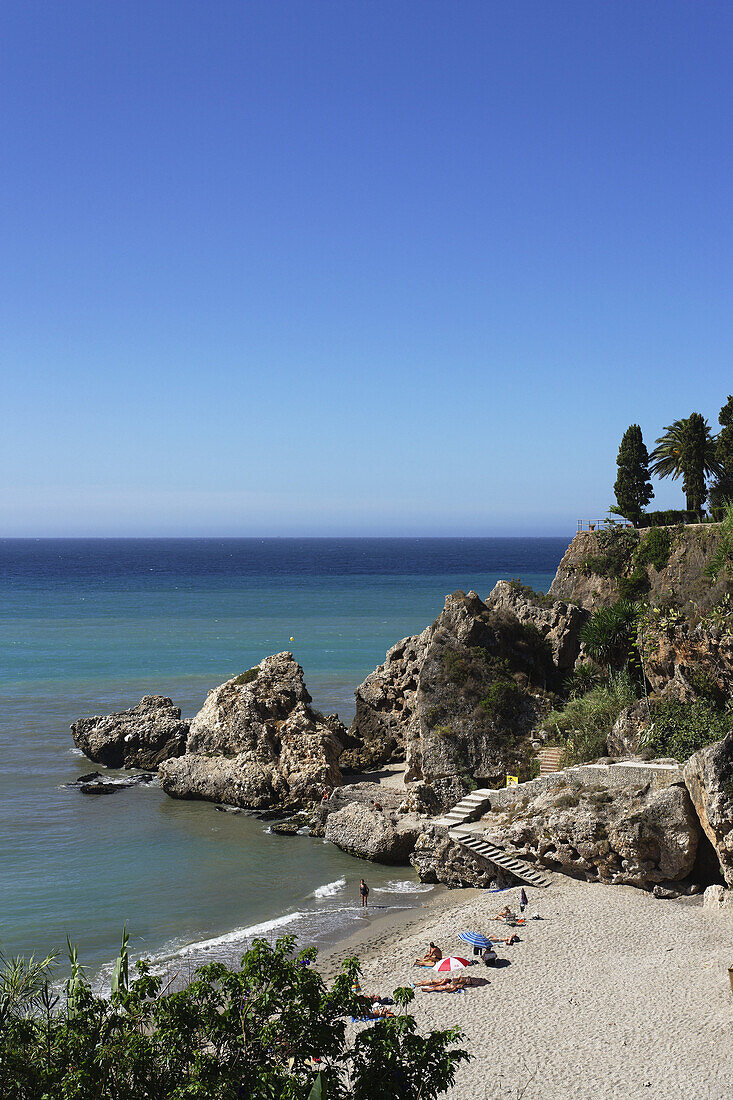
[{"x": 311, "y": 269}]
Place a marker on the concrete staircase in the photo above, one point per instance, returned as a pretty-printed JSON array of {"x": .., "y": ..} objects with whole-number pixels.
[
  {"x": 549, "y": 760},
  {"x": 476, "y": 844},
  {"x": 469, "y": 808}
]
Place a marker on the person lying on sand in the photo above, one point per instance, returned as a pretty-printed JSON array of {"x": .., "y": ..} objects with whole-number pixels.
[
  {"x": 511, "y": 939},
  {"x": 451, "y": 984},
  {"x": 431, "y": 956}
]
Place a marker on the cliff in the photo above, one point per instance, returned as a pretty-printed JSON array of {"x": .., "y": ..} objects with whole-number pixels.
[{"x": 664, "y": 566}]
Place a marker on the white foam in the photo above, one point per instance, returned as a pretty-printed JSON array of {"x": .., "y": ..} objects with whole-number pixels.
[
  {"x": 403, "y": 886},
  {"x": 240, "y": 934},
  {"x": 329, "y": 889}
]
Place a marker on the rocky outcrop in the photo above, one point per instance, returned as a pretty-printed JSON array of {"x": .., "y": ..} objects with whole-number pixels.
[
  {"x": 685, "y": 662},
  {"x": 709, "y": 779},
  {"x": 257, "y": 743},
  {"x": 630, "y": 836},
  {"x": 142, "y": 737},
  {"x": 459, "y": 700},
  {"x": 372, "y": 834},
  {"x": 559, "y": 623},
  {"x": 436, "y": 858},
  {"x": 596, "y": 561},
  {"x": 628, "y": 730}
]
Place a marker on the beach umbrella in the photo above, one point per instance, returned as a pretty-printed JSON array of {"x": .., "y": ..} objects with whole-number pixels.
[
  {"x": 451, "y": 963},
  {"x": 475, "y": 939}
]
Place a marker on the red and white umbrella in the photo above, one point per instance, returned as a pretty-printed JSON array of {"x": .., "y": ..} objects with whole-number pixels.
[{"x": 453, "y": 962}]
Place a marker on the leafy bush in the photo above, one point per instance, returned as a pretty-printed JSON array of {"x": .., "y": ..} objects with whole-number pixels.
[
  {"x": 230, "y": 1034},
  {"x": 668, "y": 518},
  {"x": 585, "y": 723},
  {"x": 501, "y": 698},
  {"x": 655, "y": 548},
  {"x": 608, "y": 635},
  {"x": 680, "y": 729},
  {"x": 616, "y": 546},
  {"x": 248, "y": 676}
]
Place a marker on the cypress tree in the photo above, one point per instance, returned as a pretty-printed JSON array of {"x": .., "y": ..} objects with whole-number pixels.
[
  {"x": 633, "y": 488},
  {"x": 697, "y": 459},
  {"x": 722, "y": 489}
]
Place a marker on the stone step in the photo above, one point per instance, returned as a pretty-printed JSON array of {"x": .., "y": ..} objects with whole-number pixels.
[{"x": 500, "y": 857}]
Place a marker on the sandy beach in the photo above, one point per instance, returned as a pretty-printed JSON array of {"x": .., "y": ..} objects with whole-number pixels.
[{"x": 613, "y": 994}]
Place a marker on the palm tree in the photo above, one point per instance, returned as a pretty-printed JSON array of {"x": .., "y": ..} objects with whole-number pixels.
[{"x": 687, "y": 449}]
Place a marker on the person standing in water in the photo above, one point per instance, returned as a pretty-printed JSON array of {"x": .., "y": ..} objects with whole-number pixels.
[{"x": 364, "y": 893}]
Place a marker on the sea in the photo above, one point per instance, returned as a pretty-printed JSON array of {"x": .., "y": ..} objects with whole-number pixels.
[{"x": 89, "y": 626}]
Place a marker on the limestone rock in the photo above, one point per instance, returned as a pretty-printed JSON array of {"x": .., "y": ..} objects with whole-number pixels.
[
  {"x": 717, "y": 898},
  {"x": 458, "y": 700},
  {"x": 633, "y": 836},
  {"x": 436, "y": 858},
  {"x": 371, "y": 834},
  {"x": 709, "y": 778},
  {"x": 257, "y": 743},
  {"x": 142, "y": 737},
  {"x": 684, "y": 661},
  {"x": 588, "y": 572},
  {"x": 628, "y": 729},
  {"x": 559, "y": 623}
]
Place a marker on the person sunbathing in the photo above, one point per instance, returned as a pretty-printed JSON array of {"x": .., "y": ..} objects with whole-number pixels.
[
  {"x": 506, "y": 914},
  {"x": 433, "y": 955},
  {"x": 452, "y": 984}
]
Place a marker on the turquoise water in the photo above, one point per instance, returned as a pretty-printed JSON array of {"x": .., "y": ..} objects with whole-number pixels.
[{"x": 88, "y": 627}]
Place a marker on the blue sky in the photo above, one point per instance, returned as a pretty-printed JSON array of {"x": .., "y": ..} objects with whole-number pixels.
[{"x": 379, "y": 267}]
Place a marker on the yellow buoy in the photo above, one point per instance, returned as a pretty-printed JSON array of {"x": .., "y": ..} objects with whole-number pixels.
[{"x": 292, "y": 639}]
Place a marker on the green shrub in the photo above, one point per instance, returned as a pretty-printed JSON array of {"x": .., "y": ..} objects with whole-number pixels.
[
  {"x": 501, "y": 698},
  {"x": 248, "y": 676},
  {"x": 608, "y": 635},
  {"x": 585, "y": 723},
  {"x": 655, "y": 548},
  {"x": 616, "y": 546},
  {"x": 680, "y": 729},
  {"x": 443, "y": 731},
  {"x": 247, "y": 1032},
  {"x": 540, "y": 599},
  {"x": 668, "y": 518},
  {"x": 584, "y": 678}
]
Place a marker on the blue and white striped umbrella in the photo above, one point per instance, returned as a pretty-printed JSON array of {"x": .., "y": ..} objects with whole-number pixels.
[{"x": 475, "y": 939}]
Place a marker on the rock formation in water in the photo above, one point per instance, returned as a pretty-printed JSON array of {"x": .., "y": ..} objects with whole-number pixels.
[
  {"x": 142, "y": 737},
  {"x": 709, "y": 779},
  {"x": 458, "y": 700},
  {"x": 632, "y": 836},
  {"x": 257, "y": 743}
]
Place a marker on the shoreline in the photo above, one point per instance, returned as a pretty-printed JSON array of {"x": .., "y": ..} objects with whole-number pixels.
[{"x": 612, "y": 994}]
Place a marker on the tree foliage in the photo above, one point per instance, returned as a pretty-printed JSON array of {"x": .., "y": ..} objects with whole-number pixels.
[
  {"x": 721, "y": 492},
  {"x": 632, "y": 487},
  {"x": 687, "y": 450},
  {"x": 271, "y": 1030}
]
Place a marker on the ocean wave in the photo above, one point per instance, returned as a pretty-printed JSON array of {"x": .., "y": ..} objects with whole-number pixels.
[
  {"x": 329, "y": 889},
  {"x": 404, "y": 886}
]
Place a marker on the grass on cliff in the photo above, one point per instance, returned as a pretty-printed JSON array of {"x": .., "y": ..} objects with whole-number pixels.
[{"x": 584, "y": 723}]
